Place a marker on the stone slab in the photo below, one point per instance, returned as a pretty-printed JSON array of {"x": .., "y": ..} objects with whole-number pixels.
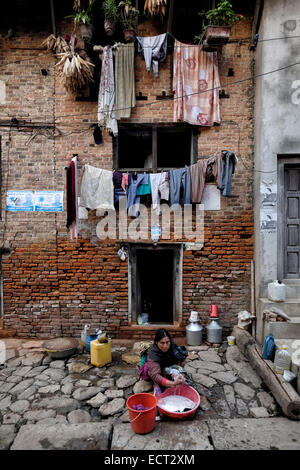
[
  {"x": 186, "y": 435},
  {"x": 82, "y": 436},
  {"x": 252, "y": 434},
  {"x": 7, "y": 435}
]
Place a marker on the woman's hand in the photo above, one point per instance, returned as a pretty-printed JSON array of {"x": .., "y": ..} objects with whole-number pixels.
[{"x": 179, "y": 379}]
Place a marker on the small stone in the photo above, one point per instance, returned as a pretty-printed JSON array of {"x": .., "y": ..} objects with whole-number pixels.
[
  {"x": 19, "y": 406},
  {"x": 204, "y": 403},
  {"x": 33, "y": 360},
  {"x": 197, "y": 348},
  {"x": 47, "y": 360},
  {"x": 211, "y": 356},
  {"x": 78, "y": 367},
  {"x": 222, "y": 408},
  {"x": 55, "y": 374},
  {"x": 62, "y": 405},
  {"x": 11, "y": 418},
  {"x": 267, "y": 401},
  {"x": 49, "y": 389},
  {"x": 83, "y": 393},
  {"x": 131, "y": 358},
  {"x": 127, "y": 381},
  {"x": 245, "y": 392},
  {"x": 212, "y": 366},
  {"x": 59, "y": 419},
  {"x": 21, "y": 387},
  {"x": 6, "y": 387},
  {"x": 7, "y": 435},
  {"x": 242, "y": 408},
  {"x": 229, "y": 395},
  {"x": 259, "y": 412},
  {"x": 105, "y": 384},
  {"x": 226, "y": 377},
  {"x": 28, "y": 393},
  {"x": 36, "y": 371},
  {"x": 112, "y": 407},
  {"x": 14, "y": 362},
  {"x": 37, "y": 415},
  {"x": 67, "y": 389},
  {"x": 142, "y": 386},
  {"x": 13, "y": 379},
  {"x": 97, "y": 400},
  {"x": 22, "y": 371},
  {"x": 125, "y": 418},
  {"x": 114, "y": 394},
  {"x": 5, "y": 402},
  {"x": 57, "y": 364},
  {"x": 83, "y": 383},
  {"x": 192, "y": 355},
  {"x": 79, "y": 416},
  {"x": 204, "y": 380},
  {"x": 32, "y": 344}
]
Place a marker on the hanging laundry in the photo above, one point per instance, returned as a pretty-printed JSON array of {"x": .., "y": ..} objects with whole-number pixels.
[
  {"x": 229, "y": 161},
  {"x": 106, "y": 97},
  {"x": 97, "y": 189},
  {"x": 133, "y": 202},
  {"x": 144, "y": 189},
  {"x": 117, "y": 182},
  {"x": 126, "y": 180},
  {"x": 72, "y": 198},
  {"x": 196, "y": 85},
  {"x": 124, "y": 80},
  {"x": 154, "y": 49},
  {"x": 160, "y": 189},
  {"x": 180, "y": 178},
  {"x": 201, "y": 171}
]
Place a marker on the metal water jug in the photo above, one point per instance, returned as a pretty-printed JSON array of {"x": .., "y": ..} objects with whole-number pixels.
[
  {"x": 214, "y": 332},
  {"x": 194, "y": 330}
]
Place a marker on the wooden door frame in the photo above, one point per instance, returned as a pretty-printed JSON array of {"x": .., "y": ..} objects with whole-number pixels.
[
  {"x": 283, "y": 160},
  {"x": 134, "y": 291}
]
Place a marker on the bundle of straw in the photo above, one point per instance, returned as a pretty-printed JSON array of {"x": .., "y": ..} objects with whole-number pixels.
[
  {"x": 155, "y": 7},
  {"x": 75, "y": 71}
]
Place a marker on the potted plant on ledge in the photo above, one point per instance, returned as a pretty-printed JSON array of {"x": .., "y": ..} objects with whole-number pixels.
[
  {"x": 128, "y": 19},
  {"x": 83, "y": 18},
  {"x": 219, "y": 21},
  {"x": 111, "y": 16}
]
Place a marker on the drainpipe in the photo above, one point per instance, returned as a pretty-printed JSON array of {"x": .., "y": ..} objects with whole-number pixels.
[{"x": 52, "y": 17}]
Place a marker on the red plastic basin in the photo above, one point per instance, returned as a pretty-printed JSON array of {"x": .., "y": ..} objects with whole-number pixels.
[{"x": 185, "y": 391}]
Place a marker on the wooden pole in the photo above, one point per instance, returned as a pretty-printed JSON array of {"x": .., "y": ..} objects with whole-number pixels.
[{"x": 284, "y": 393}]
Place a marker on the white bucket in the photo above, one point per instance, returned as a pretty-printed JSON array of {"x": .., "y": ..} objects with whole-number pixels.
[
  {"x": 231, "y": 340},
  {"x": 276, "y": 291}
]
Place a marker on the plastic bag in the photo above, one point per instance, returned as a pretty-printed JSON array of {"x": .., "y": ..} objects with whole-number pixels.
[{"x": 143, "y": 319}]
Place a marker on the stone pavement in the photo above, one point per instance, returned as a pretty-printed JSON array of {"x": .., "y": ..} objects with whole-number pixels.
[{"x": 70, "y": 404}]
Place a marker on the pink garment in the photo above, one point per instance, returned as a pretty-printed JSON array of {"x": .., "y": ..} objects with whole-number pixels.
[
  {"x": 194, "y": 72},
  {"x": 125, "y": 182}
]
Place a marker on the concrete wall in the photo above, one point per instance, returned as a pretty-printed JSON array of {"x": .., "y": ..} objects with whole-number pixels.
[{"x": 277, "y": 122}]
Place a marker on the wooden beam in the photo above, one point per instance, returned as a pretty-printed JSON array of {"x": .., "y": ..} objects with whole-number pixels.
[{"x": 284, "y": 392}]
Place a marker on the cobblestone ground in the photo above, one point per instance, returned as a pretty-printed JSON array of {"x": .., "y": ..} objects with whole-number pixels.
[{"x": 35, "y": 389}]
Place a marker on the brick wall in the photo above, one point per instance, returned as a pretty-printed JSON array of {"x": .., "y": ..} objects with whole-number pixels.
[{"x": 53, "y": 286}]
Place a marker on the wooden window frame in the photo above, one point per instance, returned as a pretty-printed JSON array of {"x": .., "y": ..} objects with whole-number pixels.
[{"x": 155, "y": 169}]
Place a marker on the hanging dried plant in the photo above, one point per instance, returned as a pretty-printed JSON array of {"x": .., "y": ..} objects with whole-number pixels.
[
  {"x": 75, "y": 71},
  {"x": 155, "y": 7},
  {"x": 55, "y": 44}
]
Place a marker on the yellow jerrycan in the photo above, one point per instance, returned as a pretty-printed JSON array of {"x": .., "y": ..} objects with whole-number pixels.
[{"x": 100, "y": 353}]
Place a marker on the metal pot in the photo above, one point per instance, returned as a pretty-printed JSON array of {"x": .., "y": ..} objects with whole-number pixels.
[{"x": 60, "y": 348}]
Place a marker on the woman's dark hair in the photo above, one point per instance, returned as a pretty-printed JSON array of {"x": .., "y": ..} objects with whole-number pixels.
[{"x": 160, "y": 334}]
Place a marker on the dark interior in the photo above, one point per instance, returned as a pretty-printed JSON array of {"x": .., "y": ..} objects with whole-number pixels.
[
  {"x": 173, "y": 148},
  {"x": 155, "y": 271},
  {"x": 133, "y": 147}
]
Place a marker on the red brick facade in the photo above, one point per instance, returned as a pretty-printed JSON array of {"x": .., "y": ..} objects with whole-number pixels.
[{"x": 53, "y": 286}]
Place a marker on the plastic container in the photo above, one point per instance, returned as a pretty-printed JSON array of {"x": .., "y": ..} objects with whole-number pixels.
[
  {"x": 194, "y": 330},
  {"x": 213, "y": 311},
  {"x": 231, "y": 340},
  {"x": 88, "y": 340},
  {"x": 100, "y": 353},
  {"x": 276, "y": 291},
  {"x": 185, "y": 391},
  {"x": 282, "y": 360},
  {"x": 268, "y": 351},
  {"x": 84, "y": 335},
  {"x": 214, "y": 332},
  {"x": 142, "y": 421}
]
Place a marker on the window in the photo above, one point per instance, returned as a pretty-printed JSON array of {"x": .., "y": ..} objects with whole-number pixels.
[{"x": 155, "y": 148}]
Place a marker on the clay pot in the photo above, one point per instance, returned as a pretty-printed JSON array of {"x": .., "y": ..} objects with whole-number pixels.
[
  {"x": 217, "y": 34},
  {"x": 129, "y": 35},
  {"x": 109, "y": 27}
]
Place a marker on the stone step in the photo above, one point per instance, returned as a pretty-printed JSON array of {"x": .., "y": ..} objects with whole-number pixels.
[
  {"x": 285, "y": 330},
  {"x": 291, "y": 306},
  {"x": 292, "y": 289},
  {"x": 147, "y": 332},
  {"x": 7, "y": 333}
]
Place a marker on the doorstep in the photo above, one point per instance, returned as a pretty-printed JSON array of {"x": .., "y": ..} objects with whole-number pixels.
[{"x": 147, "y": 332}]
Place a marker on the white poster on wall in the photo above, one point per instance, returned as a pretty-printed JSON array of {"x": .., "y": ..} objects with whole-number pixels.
[
  {"x": 20, "y": 201},
  {"x": 49, "y": 201}
]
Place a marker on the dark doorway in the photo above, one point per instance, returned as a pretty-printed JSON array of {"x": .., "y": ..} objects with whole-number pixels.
[
  {"x": 155, "y": 282},
  {"x": 155, "y": 271}
]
